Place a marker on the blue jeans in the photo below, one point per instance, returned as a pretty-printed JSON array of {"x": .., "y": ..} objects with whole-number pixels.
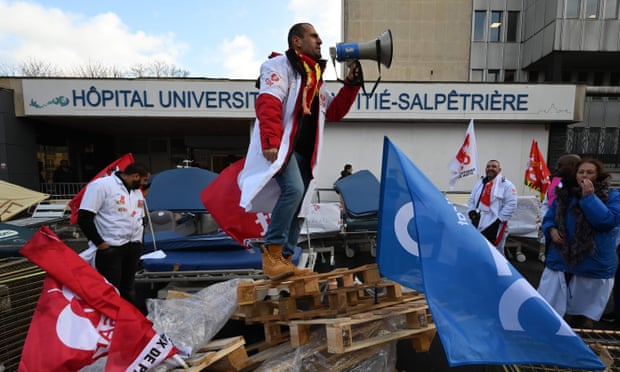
[{"x": 285, "y": 226}]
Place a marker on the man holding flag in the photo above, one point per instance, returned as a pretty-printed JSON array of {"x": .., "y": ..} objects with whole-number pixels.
[
  {"x": 491, "y": 204},
  {"x": 111, "y": 216}
]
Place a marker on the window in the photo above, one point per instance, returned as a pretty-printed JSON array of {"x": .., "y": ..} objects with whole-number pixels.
[
  {"x": 614, "y": 78},
  {"x": 582, "y": 77},
  {"x": 492, "y": 76},
  {"x": 591, "y": 9},
  {"x": 572, "y": 8},
  {"x": 532, "y": 76},
  {"x": 495, "y": 28},
  {"x": 509, "y": 75},
  {"x": 476, "y": 75},
  {"x": 480, "y": 23},
  {"x": 599, "y": 77},
  {"x": 567, "y": 76},
  {"x": 512, "y": 27},
  {"x": 611, "y": 9}
]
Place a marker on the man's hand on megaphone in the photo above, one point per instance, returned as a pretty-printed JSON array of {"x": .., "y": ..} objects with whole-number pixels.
[{"x": 354, "y": 77}]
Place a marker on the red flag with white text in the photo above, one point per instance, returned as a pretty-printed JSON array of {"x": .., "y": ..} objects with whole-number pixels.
[
  {"x": 537, "y": 174},
  {"x": 118, "y": 164},
  {"x": 221, "y": 199},
  {"x": 465, "y": 161},
  {"x": 80, "y": 317}
]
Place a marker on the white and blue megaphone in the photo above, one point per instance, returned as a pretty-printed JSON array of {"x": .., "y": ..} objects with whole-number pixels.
[{"x": 379, "y": 50}]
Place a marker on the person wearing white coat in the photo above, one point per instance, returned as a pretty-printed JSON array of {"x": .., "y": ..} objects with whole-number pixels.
[
  {"x": 491, "y": 204},
  {"x": 285, "y": 146}
]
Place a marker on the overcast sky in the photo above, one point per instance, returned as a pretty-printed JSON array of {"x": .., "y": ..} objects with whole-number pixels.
[{"x": 214, "y": 39}]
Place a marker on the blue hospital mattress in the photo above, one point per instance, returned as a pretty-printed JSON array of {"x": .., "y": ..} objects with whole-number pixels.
[
  {"x": 360, "y": 194},
  {"x": 219, "y": 259},
  {"x": 170, "y": 240}
]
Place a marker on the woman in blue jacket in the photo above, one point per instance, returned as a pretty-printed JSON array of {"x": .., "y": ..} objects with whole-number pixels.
[{"x": 581, "y": 228}]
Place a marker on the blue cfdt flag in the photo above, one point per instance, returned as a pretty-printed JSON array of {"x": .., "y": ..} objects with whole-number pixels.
[{"x": 484, "y": 310}]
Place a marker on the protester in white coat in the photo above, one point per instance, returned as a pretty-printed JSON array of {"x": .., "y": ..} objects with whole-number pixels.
[
  {"x": 491, "y": 204},
  {"x": 285, "y": 146}
]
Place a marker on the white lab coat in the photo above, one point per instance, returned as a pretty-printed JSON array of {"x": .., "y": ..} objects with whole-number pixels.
[
  {"x": 259, "y": 190},
  {"x": 503, "y": 201}
]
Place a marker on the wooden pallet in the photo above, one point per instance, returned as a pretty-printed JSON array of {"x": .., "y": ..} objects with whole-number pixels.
[
  {"x": 301, "y": 298},
  {"x": 330, "y": 303},
  {"x": 346, "y": 334},
  {"x": 227, "y": 354},
  {"x": 277, "y": 332},
  {"x": 251, "y": 292}
]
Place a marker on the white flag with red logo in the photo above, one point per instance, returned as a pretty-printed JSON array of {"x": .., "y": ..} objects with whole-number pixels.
[
  {"x": 465, "y": 162},
  {"x": 221, "y": 199},
  {"x": 118, "y": 164},
  {"x": 80, "y": 317}
]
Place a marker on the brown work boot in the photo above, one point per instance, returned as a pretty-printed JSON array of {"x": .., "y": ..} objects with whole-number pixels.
[
  {"x": 274, "y": 265},
  {"x": 297, "y": 271}
]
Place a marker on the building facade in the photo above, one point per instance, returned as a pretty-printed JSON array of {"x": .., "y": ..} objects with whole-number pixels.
[
  {"x": 445, "y": 53},
  {"x": 510, "y": 41}
]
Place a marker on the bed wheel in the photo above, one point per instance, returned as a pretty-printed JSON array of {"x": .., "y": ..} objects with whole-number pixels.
[{"x": 349, "y": 252}]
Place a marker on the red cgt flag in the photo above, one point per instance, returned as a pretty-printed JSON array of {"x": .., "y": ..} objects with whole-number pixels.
[
  {"x": 537, "y": 174},
  {"x": 80, "y": 317},
  {"x": 221, "y": 199},
  {"x": 116, "y": 165}
]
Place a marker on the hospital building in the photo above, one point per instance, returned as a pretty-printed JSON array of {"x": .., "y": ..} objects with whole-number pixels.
[{"x": 522, "y": 70}]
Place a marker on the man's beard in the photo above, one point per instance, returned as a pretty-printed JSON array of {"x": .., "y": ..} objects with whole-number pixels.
[{"x": 135, "y": 185}]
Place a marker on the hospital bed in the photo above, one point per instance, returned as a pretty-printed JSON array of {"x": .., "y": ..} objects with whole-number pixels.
[
  {"x": 177, "y": 251},
  {"x": 359, "y": 194}
]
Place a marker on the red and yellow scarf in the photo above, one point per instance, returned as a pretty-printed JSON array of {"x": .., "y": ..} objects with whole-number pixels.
[{"x": 313, "y": 82}]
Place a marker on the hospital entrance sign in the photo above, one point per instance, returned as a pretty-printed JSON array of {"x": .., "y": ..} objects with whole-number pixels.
[{"x": 235, "y": 99}]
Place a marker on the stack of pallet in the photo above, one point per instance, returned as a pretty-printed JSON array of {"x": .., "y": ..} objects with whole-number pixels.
[{"x": 337, "y": 305}]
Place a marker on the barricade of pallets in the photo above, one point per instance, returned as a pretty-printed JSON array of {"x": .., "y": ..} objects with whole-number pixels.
[
  {"x": 345, "y": 315},
  {"x": 318, "y": 295},
  {"x": 347, "y": 333},
  {"x": 339, "y": 305}
]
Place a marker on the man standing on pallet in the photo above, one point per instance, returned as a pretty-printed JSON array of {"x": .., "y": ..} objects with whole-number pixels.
[{"x": 282, "y": 159}]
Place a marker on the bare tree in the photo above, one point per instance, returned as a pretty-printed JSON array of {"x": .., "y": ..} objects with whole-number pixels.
[
  {"x": 37, "y": 68},
  {"x": 138, "y": 70},
  {"x": 93, "y": 70},
  {"x": 176, "y": 72},
  {"x": 162, "y": 69}
]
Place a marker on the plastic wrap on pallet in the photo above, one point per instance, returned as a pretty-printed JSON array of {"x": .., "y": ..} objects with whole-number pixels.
[
  {"x": 313, "y": 356},
  {"x": 195, "y": 320}
]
